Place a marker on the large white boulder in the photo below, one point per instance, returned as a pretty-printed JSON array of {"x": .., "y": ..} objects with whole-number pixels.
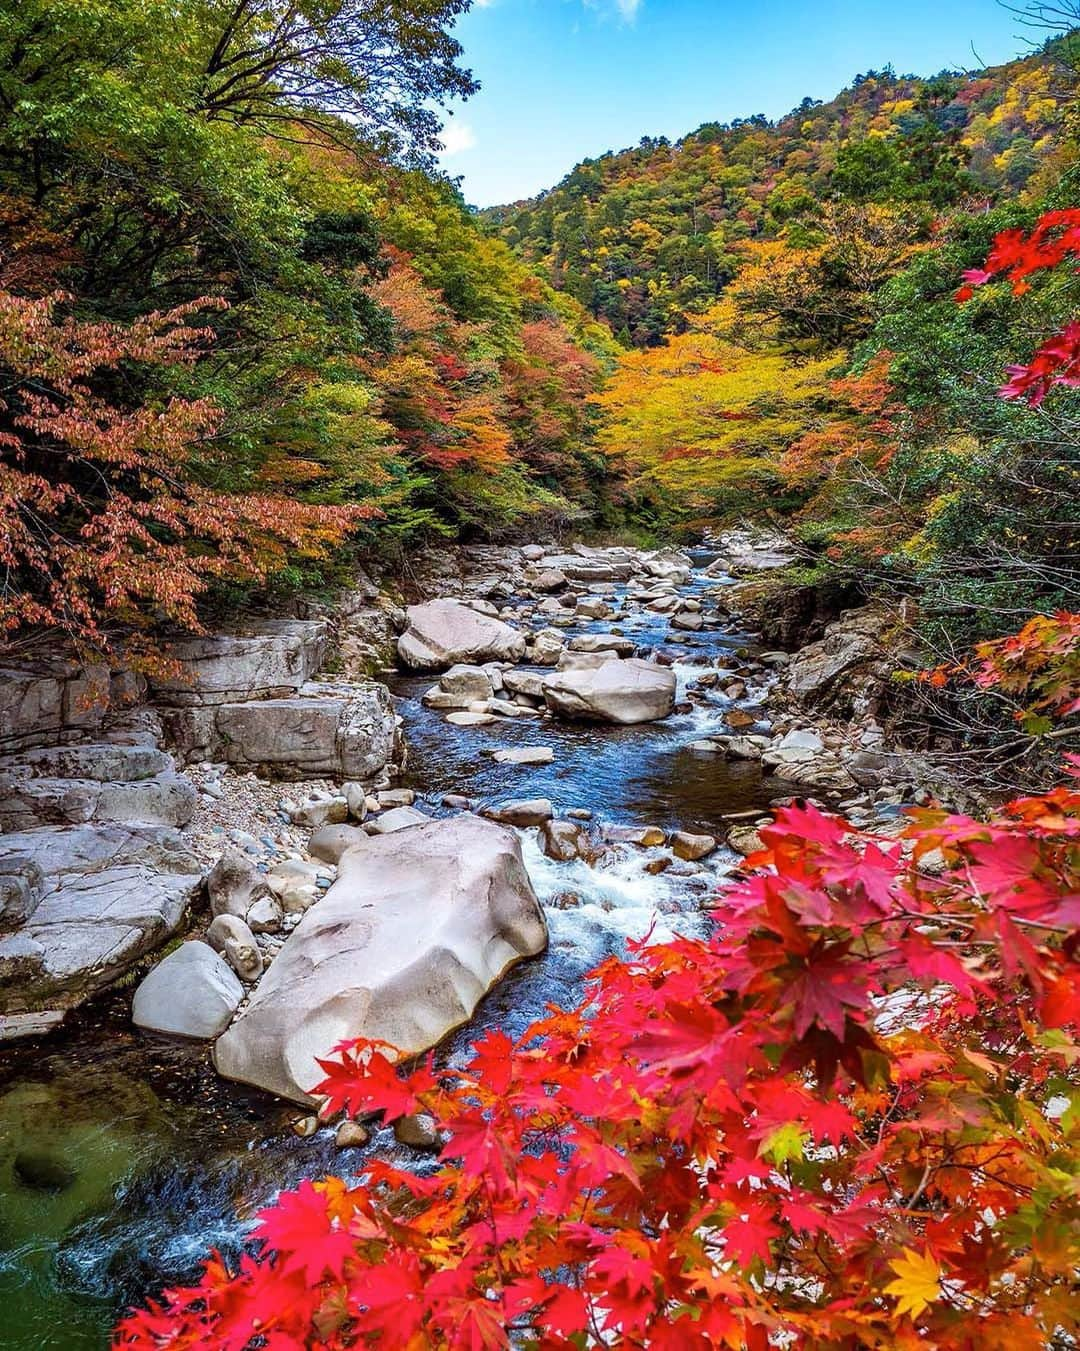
[
  {"x": 618, "y": 691},
  {"x": 418, "y": 927},
  {"x": 444, "y": 633}
]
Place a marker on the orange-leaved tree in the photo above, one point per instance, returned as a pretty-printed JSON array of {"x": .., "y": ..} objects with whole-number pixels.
[{"x": 106, "y": 518}]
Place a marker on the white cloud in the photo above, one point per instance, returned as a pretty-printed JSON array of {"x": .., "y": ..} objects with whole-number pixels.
[
  {"x": 456, "y": 137},
  {"x": 627, "y": 10}
]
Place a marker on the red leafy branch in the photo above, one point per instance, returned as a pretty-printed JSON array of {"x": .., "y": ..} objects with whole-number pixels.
[{"x": 851, "y": 1117}]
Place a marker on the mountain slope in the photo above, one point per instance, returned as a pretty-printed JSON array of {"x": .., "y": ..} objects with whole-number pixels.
[{"x": 643, "y": 236}]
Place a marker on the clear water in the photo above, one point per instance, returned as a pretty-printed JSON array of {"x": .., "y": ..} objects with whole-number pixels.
[{"x": 124, "y": 1160}]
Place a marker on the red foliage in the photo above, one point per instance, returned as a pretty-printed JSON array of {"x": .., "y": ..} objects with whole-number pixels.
[
  {"x": 1041, "y": 662},
  {"x": 102, "y": 515},
  {"x": 1018, "y": 256},
  {"x": 847, "y": 1119}
]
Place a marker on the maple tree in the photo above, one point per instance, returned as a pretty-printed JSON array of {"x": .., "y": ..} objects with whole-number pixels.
[
  {"x": 104, "y": 516},
  {"x": 850, "y": 1117}
]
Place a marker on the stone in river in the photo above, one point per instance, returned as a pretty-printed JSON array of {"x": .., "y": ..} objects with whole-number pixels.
[
  {"x": 471, "y": 719},
  {"x": 444, "y": 633},
  {"x": 398, "y": 818},
  {"x": 401, "y": 949},
  {"x": 329, "y": 842},
  {"x": 351, "y": 1135},
  {"x": 692, "y": 847},
  {"x": 193, "y": 992},
  {"x": 563, "y": 841},
  {"x": 603, "y": 642},
  {"x": 526, "y": 755},
  {"x": 645, "y": 837},
  {"x": 522, "y": 812},
  {"x": 622, "y": 692}
]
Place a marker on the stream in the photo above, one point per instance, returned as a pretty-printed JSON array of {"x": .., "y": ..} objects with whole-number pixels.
[{"x": 124, "y": 1160}]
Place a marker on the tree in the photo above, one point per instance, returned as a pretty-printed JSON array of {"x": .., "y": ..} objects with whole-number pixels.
[
  {"x": 105, "y": 516},
  {"x": 851, "y": 1117}
]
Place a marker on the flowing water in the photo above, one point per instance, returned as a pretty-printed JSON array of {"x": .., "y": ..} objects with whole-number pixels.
[{"x": 124, "y": 1160}]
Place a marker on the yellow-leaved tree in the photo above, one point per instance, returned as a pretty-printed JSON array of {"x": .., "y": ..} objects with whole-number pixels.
[{"x": 705, "y": 420}]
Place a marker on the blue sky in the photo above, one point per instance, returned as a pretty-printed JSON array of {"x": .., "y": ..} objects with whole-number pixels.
[{"x": 564, "y": 80}]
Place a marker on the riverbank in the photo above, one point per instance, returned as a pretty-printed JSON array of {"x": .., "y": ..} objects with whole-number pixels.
[{"x": 160, "y": 1159}]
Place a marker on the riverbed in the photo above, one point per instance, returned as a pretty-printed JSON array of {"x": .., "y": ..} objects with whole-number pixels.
[{"x": 124, "y": 1160}]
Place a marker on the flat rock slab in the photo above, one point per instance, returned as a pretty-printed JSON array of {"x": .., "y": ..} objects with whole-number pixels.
[
  {"x": 104, "y": 896},
  {"x": 445, "y": 633},
  {"x": 97, "y": 782},
  {"x": 341, "y": 730},
  {"x": 272, "y": 661},
  {"x": 416, "y": 930}
]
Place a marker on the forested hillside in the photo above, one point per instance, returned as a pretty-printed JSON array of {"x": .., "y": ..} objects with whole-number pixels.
[
  {"x": 644, "y": 236},
  {"x": 242, "y": 321},
  {"x": 799, "y": 351}
]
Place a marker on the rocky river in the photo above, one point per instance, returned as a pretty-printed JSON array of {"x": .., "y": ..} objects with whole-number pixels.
[{"x": 124, "y": 1156}]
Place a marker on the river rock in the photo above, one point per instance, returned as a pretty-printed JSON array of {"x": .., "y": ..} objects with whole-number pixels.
[
  {"x": 547, "y": 647},
  {"x": 467, "y": 683},
  {"x": 551, "y": 579},
  {"x": 692, "y": 847},
  {"x": 234, "y": 884},
  {"x": 603, "y": 642},
  {"x": 445, "y": 633},
  {"x": 266, "y": 915},
  {"x": 96, "y": 900},
  {"x": 471, "y": 719},
  {"x": 330, "y": 842},
  {"x": 523, "y": 812},
  {"x": 231, "y": 936},
  {"x": 397, "y": 818},
  {"x": 192, "y": 993},
  {"x": 401, "y": 949},
  {"x": 622, "y": 692},
  {"x": 528, "y": 683},
  {"x": 351, "y": 1135},
  {"x": 323, "y": 811},
  {"x": 525, "y": 755},
  {"x": 563, "y": 840}
]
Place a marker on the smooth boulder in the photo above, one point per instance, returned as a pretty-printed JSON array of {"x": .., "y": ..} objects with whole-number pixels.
[
  {"x": 192, "y": 993},
  {"x": 445, "y": 633},
  {"x": 622, "y": 692},
  {"x": 417, "y": 928}
]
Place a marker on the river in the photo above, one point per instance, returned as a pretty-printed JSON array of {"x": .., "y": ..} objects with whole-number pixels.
[{"x": 124, "y": 1160}]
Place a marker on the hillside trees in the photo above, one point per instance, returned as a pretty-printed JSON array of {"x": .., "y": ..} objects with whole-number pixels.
[
  {"x": 101, "y": 517},
  {"x": 256, "y": 153}
]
